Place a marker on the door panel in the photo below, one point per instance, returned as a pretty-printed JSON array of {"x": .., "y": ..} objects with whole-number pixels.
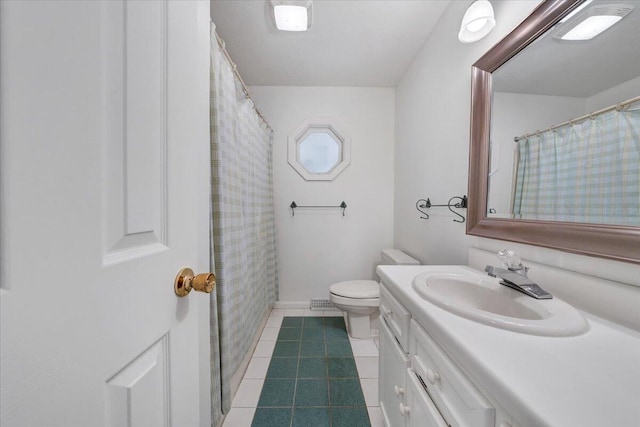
[
  {"x": 103, "y": 112},
  {"x": 135, "y": 92},
  {"x": 138, "y": 395}
]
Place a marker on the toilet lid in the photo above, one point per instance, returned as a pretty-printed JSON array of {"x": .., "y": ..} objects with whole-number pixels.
[{"x": 356, "y": 289}]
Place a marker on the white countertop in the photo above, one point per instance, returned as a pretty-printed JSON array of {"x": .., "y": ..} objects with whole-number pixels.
[{"x": 587, "y": 380}]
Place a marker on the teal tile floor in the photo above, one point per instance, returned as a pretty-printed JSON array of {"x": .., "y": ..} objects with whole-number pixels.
[{"x": 312, "y": 378}]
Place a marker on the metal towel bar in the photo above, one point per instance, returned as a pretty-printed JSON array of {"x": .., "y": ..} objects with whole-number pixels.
[{"x": 295, "y": 206}]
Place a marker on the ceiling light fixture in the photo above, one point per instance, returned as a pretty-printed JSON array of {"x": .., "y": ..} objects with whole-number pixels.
[
  {"x": 592, "y": 22},
  {"x": 292, "y": 15},
  {"x": 478, "y": 21},
  {"x": 576, "y": 11}
]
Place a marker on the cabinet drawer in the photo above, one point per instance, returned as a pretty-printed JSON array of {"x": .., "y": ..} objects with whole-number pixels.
[
  {"x": 459, "y": 401},
  {"x": 392, "y": 377},
  {"x": 420, "y": 410},
  {"x": 396, "y": 316}
]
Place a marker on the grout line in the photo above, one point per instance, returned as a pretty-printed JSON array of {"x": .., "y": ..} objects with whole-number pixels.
[
  {"x": 326, "y": 353},
  {"x": 295, "y": 387},
  {"x": 325, "y": 357}
]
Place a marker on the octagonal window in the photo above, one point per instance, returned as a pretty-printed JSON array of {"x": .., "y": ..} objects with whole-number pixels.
[{"x": 318, "y": 151}]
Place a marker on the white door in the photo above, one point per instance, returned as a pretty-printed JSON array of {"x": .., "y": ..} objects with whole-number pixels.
[{"x": 104, "y": 130}]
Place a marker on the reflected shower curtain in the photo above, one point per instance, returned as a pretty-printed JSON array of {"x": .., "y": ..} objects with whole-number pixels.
[
  {"x": 243, "y": 226},
  {"x": 587, "y": 172}
]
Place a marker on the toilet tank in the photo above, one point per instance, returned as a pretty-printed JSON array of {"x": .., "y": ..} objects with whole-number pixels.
[{"x": 397, "y": 257}]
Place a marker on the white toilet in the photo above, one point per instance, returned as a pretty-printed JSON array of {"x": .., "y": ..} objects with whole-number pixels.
[{"x": 360, "y": 299}]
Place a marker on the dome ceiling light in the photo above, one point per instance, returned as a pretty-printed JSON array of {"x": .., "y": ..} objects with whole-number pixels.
[{"x": 478, "y": 21}]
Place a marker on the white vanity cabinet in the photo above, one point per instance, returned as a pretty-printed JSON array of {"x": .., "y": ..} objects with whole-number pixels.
[
  {"x": 419, "y": 410},
  {"x": 457, "y": 399},
  {"x": 479, "y": 373},
  {"x": 403, "y": 399},
  {"x": 392, "y": 387},
  {"x": 419, "y": 385},
  {"x": 393, "y": 359},
  {"x": 396, "y": 317}
]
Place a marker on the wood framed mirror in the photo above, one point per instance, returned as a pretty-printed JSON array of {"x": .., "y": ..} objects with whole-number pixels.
[{"x": 613, "y": 241}]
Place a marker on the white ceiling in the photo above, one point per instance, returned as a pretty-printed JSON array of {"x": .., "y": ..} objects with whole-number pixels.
[
  {"x": 372, "y": 42},
  {"x": 576, "y": 68},
  {"x": 351, "y": 42}
]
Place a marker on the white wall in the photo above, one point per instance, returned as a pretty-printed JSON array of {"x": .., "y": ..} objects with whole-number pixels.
[
  {"x": 614, "y": 95},
  {"x": 317, "y": 248},
  {"x": 432, "y": 133},
  {"x": 432, "y": 139}
]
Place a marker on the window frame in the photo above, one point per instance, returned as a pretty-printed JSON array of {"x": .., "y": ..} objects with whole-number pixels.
[{"x": 313, "y": 125}]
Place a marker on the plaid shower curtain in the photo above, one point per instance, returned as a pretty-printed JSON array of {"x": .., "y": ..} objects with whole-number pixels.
[
  {"x": 587, "y": 172},
  {"x": 243, "y": 226}
]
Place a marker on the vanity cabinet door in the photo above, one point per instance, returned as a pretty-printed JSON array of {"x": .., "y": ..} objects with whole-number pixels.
[
  {"x": 459, "y": 401},
  {"x": 420, "y": 411},
  {"x": 396, "y": 316},
  {"x": 392, "y": 377}
]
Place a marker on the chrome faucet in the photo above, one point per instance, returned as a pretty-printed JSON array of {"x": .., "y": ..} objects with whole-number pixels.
[{"x": 515, "y": 275}]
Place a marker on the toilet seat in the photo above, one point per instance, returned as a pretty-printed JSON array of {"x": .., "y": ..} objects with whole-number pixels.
[
  {"x": 356, "y": 289},
  {"x": 353, "y": 303}
]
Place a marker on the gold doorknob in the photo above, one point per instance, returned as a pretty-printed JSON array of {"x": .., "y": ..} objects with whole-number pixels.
[{"x": 186, "y": 281}]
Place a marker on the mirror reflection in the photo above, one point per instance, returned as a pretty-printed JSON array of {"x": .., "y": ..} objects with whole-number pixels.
[{"x": 565, "y": 128}]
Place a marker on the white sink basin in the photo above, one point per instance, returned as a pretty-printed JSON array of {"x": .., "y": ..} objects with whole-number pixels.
[{"x": 483, "y": 299}]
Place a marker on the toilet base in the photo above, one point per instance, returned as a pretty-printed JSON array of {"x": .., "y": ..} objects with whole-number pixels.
[
  {"x": 359, "y": 312},
  {"x": 358, "y": 325}
]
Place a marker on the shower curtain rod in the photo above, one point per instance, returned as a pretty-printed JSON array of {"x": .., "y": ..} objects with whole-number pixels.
[
  {"x": 619, "y": 106},
  {"x": 222, "y": 45}
]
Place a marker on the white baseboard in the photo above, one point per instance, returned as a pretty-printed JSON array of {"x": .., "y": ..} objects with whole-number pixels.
[{"x": 291, "y": 304}]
